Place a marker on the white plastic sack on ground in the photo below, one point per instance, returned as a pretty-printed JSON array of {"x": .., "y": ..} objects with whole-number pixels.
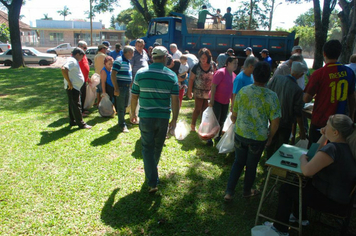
[
  {"x": 90, "y": 97},
  {"x": 303, "y": 143},
  {"x": 263, "y": 230},
  {"x": 227, "y": 122},
  {"x": 209, "y": 127},
  {"x": 227, "y": 141},
  {"x": 94, "y": 80},
  {"x": 182, "y": 130},
  {"x": 106, "y": 108}
]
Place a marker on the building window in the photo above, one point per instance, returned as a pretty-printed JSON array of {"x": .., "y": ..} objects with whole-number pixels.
[{"x": 58, "y": 37}]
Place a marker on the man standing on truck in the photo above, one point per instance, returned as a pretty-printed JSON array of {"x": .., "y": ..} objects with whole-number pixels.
[
  {"x": 265, "y": 55},
  {"x": 228, "y": 18},
  {"x": 221, "y": 60},
  {"x": 202, "y": 17}
]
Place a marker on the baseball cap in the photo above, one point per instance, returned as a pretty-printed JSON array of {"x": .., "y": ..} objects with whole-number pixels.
[
  {"x": 230, "y": 50},
  {"x": 297, "y": 48},
  {"x": 299, "y": 67},
  {"x": 248, "y": 48},
  {"x": 264, "y": 50},
  {"x": 159, "y": 51},
  {"x": 106, "y": 43},
  {"x": 101, "y": 46}
]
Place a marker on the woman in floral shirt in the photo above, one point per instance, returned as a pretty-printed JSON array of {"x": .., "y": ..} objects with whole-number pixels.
[{"x": 200, "y": 81}]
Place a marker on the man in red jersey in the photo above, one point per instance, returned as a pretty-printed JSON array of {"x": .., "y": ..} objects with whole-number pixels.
[
  {"x": 333, "y": 87},
  {"x": 84, "y": 67}
]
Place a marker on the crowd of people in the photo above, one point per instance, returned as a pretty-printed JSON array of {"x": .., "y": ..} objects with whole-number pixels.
[{"x": 264, "y": 109}]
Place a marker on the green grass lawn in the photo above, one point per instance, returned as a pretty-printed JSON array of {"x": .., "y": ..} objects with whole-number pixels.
[{"x": 57, "y": 180}]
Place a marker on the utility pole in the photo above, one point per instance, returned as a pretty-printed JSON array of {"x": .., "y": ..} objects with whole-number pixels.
[
  {"x": 91, "y": 22},
  {"x": 271, "y": 14}
]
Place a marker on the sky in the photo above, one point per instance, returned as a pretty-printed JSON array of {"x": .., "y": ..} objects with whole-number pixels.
[{"x": 284, "y": 14}]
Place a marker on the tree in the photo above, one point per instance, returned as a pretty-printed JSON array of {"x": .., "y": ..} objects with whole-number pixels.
[
  {"x": 4, "y": 33},
  {"x": 348, "y": 28},
  {"x": 135, "y": 24},
  {"x": 14, "y": 8},
  {"x": 251, "y": 15},
  {"x": 112, "y": 22},
  {"x": 306, "y": 19},
  {"x": 65, "y": 12},
  {"x": 46, "y": 17}
]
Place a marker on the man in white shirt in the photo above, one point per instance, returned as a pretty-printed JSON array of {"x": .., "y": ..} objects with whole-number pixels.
[
  {"x": 73, "y": 81},
  {"x": 176, "y": 54}
]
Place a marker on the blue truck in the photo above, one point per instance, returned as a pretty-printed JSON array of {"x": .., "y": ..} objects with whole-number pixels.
[{"x": 181, "y": 30}]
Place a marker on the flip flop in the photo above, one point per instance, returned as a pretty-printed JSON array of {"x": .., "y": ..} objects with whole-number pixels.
[{"x": 253, "y": 192}]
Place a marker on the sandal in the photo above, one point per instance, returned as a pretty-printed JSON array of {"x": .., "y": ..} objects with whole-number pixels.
[{"x": 253, "y": 192}]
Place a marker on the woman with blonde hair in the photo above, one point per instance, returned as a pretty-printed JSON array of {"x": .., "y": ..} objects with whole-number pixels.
[{"x": 333, "y": 172}]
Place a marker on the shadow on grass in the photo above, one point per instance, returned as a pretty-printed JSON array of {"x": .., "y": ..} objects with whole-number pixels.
[
  {"x": 130, "y": 210},
  {"x": 59, "y": 122},
  {"x": 137, "y": 153},
  {"x": 49, "y": 136},
  {"x": 113, "y": 133}
]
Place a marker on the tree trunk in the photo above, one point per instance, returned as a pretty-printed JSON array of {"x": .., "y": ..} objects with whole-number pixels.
[
  {"x": 348, "y": 26},
  {"x": 321, "y": 29},
  {"x": 181, "y": 6},
  {"x": 250, "y": 18},
  {"x": 159, "y": 7},
  {"x": 142, "y": 9},
  {"x": 14, "y": 16}
]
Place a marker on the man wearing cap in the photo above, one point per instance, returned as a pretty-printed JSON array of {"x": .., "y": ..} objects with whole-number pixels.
[
  {"x": 156, "y": 87},
  {"x": 290, "y": 96},
  {"x": 249, "y": 52},
  {"x": 99, "y": 58},
  {"x": 265, "y": 55},
  {"x": 117, "y": 52},
  {"x": 228, "y": 18},
  {"x": 107, "y": 44},
  {"x": 121, "y": 77},
  {"x": 176, "y": 54},
  {"x": 301, "y": 81},
  {"x": 221, "y": 60}
]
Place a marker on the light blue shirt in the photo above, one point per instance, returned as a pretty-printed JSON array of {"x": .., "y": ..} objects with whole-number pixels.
[{"x": 241, "y": 80}]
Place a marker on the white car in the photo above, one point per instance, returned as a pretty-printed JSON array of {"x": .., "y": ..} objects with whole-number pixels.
[
  {"x": 30, "y": 55},
  {"x": 91, "y": 53},
  {"x": 4, "y": 46},
  {"x": 61, "y": 49}
]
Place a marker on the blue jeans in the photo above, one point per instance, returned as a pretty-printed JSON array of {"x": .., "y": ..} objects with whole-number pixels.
[
  {"x": 153, "y": 135},
  {"x": 247, "y": 153},
  {"x": 121, "y": 102}
]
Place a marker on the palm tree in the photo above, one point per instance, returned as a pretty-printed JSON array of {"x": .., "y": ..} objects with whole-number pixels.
[{"x": 65, "y": 12}]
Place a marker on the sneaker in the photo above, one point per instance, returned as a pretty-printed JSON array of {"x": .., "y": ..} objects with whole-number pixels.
[
  {"x": 152, "y": 190},
  {"x": 125, "y": 129},
  {"x": 86, "y": 126},
  {"x": 270, "y": 224},
  {"x": 294, "y": 219}
]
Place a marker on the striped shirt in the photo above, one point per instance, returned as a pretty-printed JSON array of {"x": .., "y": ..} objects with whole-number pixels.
[
  {"x": 123, "y": 68},
  {"x": 155, "y": 85}
]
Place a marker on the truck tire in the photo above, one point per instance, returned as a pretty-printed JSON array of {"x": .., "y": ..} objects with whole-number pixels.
[{"x": 7, "y": 63}]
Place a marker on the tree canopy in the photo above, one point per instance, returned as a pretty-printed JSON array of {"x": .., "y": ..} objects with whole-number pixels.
[
  {"x": 65, "y": 12},
  {"x": 252, "y": 15},
  {"x": 4, "y": 33}
]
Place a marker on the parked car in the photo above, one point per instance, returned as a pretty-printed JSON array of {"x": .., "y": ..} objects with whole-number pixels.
[
  {"x": 64, "y": 48},
  {"x": 4, "y": 46},
  {"x": 30, "y": 55},
  {"x": 91, "y": 52}
]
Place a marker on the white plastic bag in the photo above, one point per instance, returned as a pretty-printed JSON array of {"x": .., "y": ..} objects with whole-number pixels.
[
  {"x": 227, "y": 122},
  {"x": 303, "y": 143},
  {"x": 106, "y": 108},
  {"x": 90, "y": 97},
  {"x": 94, "y": 80},
  {"x": 209, "y": 127},
  {"x": 182, "y": 130},
  {"x": 263, "y": 230},
  {"x": 227, "y": 141}
]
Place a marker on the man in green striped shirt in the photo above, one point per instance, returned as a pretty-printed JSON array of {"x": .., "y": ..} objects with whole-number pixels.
[{"x": 158, "y": 90}]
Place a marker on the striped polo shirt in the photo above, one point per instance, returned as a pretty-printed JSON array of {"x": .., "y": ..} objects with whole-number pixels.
[
  {"x": 124, "y": 72},
  {"x": 155, "y": 85}
]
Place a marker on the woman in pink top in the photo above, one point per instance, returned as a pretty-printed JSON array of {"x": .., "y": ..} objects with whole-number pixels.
[{"x": 221, "y": 90}]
